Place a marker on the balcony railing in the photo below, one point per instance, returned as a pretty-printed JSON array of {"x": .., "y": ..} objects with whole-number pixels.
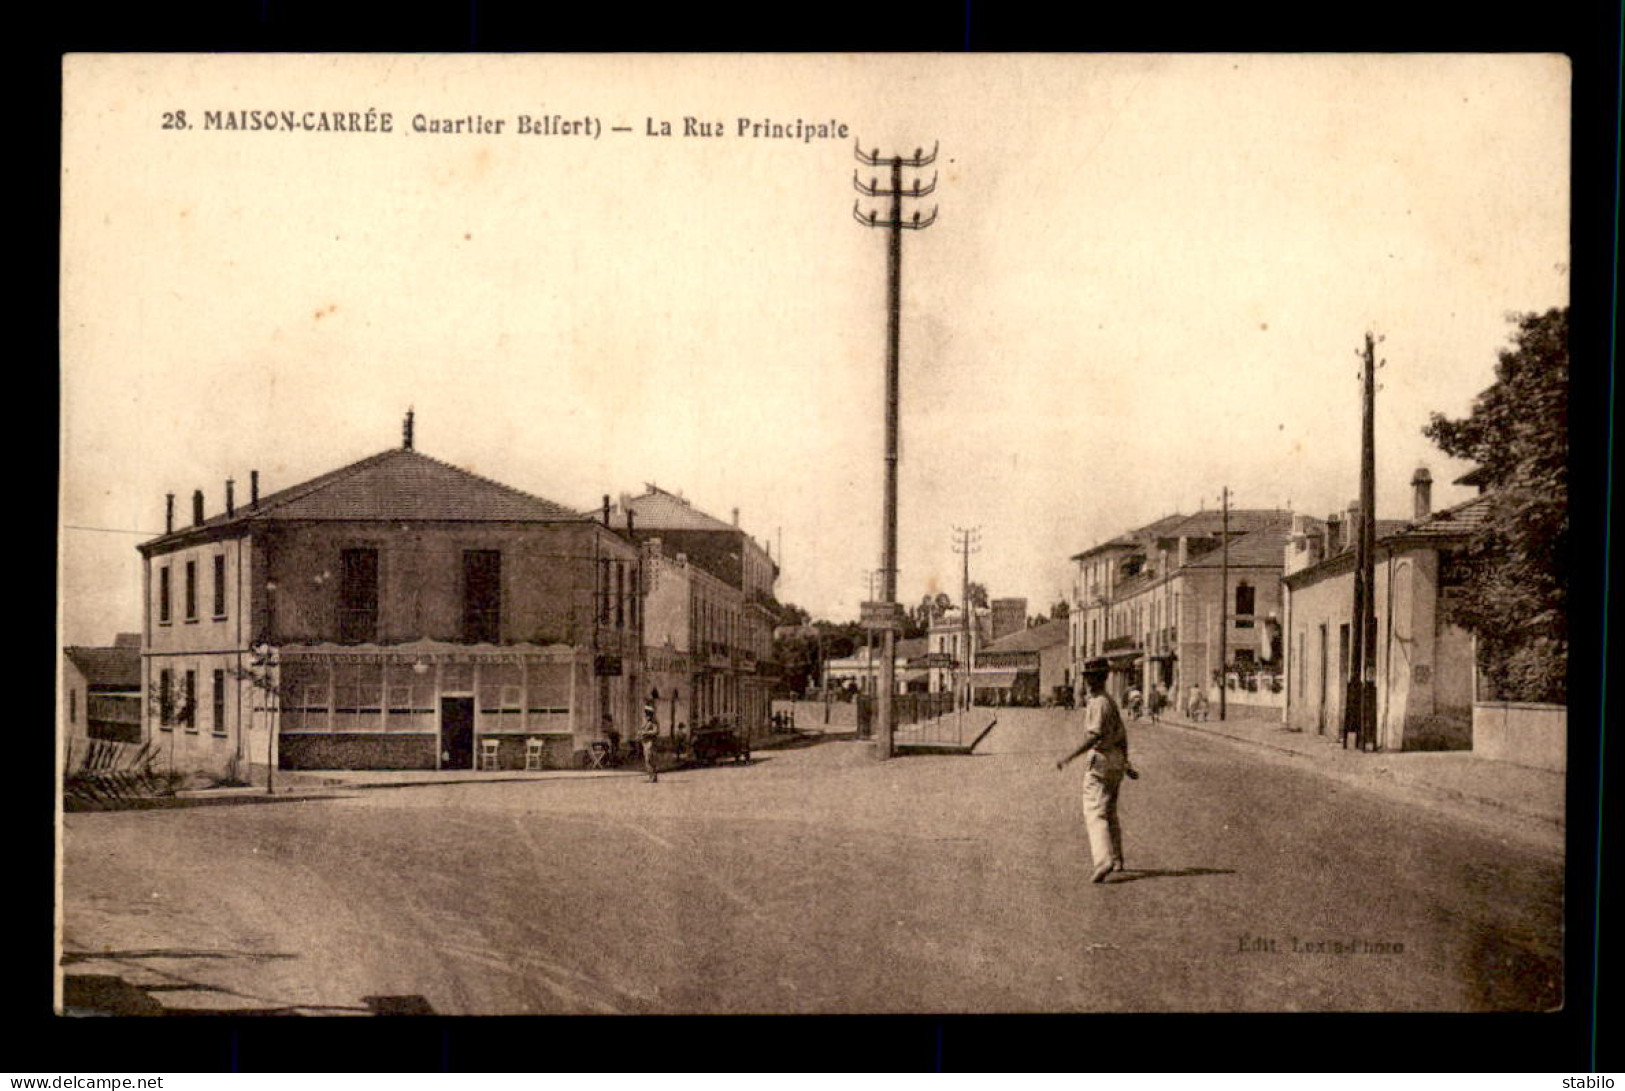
[{"x": 1119, "y": 643}]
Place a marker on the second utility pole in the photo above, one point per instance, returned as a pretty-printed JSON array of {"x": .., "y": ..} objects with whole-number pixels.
[{"x": 894, "y": 309}]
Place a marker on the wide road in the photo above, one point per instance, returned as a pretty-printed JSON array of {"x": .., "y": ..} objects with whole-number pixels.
[{"x": 818, "y": 880}]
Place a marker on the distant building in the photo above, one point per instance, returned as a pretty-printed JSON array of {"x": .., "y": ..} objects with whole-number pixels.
[
  {"x": 396, "y": 613},
  {"x": 862, "y": 673},
  {"x": 101, "y": 692},
  {"x": 730, "y": 667},
  {"x": 1425, "y": 665},
  {"x": 1028, "y": 667},
  {"x": 951, "y": 643},
  {"x": 1148, "y": 604}
]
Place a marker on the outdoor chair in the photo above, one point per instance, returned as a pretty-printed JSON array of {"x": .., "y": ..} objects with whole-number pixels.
[
  {"x": 490, "y": 752},
  {"x": 535, "y": 754}
]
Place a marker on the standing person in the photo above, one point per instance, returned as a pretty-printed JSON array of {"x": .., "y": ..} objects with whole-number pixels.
[
  {"x": 1108, "y": 764},
  {"x": 1198, "y": 705},
  {"x": 647, "y": 737}
]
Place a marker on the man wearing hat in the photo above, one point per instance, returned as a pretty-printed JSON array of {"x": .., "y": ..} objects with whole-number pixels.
[
  {"x": 1105, "y": 735},
  {"x": 648, "y": 735}
]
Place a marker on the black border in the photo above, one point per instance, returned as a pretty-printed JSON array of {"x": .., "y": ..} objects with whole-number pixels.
[{"x": 1589, "y": 33}]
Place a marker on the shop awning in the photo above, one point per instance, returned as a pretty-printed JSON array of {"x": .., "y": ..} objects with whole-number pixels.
[{"x": 995, "y": 679}]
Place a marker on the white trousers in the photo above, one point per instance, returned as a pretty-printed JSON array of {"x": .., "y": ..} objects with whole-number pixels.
[{"x": 1100, "y": 785}]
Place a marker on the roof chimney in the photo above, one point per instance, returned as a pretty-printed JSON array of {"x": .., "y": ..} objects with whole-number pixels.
[
  {"x": 1353, "y": 525},
  {"x": 406, "y": 431},
  {"x": 197, "y": 507},
  {"x": 169, "y": 513},
  {"x": 606, "y": 509},
  {"x": 253, "y": 488},
  {"x": 231, "y": 499},
  {"x": 736, "y": 517},
  {"x": 630, "y": 515},
  {"x": 1422, "y": 493}
]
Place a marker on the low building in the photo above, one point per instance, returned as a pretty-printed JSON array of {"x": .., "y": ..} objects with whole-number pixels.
[
  {"x": 101, "y": 693},
  {"x": 1424, "y": 666},
  {"x": 860, "y": 671},
  {"x": 1029, "y": 667}
]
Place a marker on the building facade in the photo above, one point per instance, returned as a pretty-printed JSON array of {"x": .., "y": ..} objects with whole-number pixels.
[
  {"x": 1029, "y": 667},
  {"x": 398, "y": 613},
  {"x": 730, "y": 579},
  {"x": 1424, "y": 665},
  {"x": 1148, "y": 605}
]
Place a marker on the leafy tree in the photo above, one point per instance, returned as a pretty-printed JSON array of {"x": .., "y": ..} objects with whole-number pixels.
[
  {"x": 1515, "y": 598},
  {"x": 977, "y": 595}
]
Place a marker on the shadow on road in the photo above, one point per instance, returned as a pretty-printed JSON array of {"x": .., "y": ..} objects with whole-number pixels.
[
  {"x": 109, "y": 995},
  {"x": 1136, "y": 874},
  {"x": 70, "y": 957}
]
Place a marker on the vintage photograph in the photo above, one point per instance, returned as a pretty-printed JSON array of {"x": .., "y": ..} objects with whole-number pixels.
[{"x": 812, "y": 534}]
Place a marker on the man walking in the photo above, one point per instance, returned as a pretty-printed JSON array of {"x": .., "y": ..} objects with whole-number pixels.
[
  {"x": 1105, "y": 735},
  {"x": 647, "y": 737}
]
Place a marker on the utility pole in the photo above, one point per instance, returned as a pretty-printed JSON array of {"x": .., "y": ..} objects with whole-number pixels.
[
  {"x": 1224, "y": 598},
  {"x": 1360, "y": 708},
  {"x": 894, "y": 307},
  {"x": 968, "y": 540}
]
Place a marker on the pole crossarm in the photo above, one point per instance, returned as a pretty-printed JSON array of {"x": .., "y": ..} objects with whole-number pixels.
[
  {"x": 873, "y": 158},
  {"x": 873, "y": 220},
  {"x": 872, "y": 188}
]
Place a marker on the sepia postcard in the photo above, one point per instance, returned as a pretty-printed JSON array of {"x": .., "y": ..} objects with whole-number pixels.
[{"x": 802, "y": 534}]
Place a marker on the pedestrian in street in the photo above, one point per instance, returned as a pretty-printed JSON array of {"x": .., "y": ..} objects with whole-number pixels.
[
  {"x": 1198, "y": 705},
  {"x": 1106, "y": 741},
  {"x": 647, "y": 738}
]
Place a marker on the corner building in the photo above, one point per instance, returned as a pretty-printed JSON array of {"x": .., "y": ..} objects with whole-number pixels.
[{"x": 398, "y": 613}]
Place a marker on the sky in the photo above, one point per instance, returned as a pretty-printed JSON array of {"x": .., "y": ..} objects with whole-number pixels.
[{"x": 1149, "y": 279}]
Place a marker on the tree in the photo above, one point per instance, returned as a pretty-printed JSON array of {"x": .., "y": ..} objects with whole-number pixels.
[
  {"x": 977, "y": 594},
  {"x": 1515, "y": 596}
]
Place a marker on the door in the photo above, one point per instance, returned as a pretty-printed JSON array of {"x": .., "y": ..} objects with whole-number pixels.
[
  {"x": 457, "y": 733},
  {"x": 1320, "y": 718}
]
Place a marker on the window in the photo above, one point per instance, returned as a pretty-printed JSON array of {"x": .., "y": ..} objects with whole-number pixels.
[
  {"x": 603, "y": 592},
  {"x": 482, "y": 596},
  {"x": 191, "y": 590},
  {"x": 188, "y": 709},
  {"x": 163, "y": 595},
  {"x": 166, "y": 696},
  {"x": 219, "y": 585},
  {"x": 358, "y": 595},
  {"x": 620, "y": 595},
  {"x": 218, "y": 722},
  {"x": 1244, "y": 606},
  {"x": 73, "y": 706}
]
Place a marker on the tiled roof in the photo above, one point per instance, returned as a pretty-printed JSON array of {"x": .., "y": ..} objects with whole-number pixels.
[
  {"x": 1242, "y": 520},
  {"x": 116, "y": 668},
  {"x": 1454, "y": 522},
  {"x": 1442, "y": 526},
  {"x": 1155, "y": 529},
  {"x": 395, "y": 485},
  {"x": 658, "y": 509},
  {"x": 1257, "y": 549},
  {"x": 1037, "y": 638}
]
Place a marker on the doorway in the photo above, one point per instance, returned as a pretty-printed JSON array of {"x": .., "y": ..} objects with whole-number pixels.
[
  {"x": 1320, "y": 717},
  {"x": 457, "y": 733}
]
